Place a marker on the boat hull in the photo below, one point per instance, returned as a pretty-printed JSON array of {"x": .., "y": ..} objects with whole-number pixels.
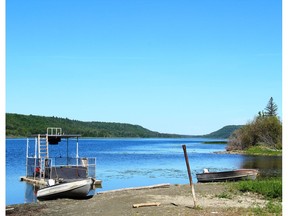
[
  {"x": 235, "y": 175},
  {"x": 74, "y": 190}
]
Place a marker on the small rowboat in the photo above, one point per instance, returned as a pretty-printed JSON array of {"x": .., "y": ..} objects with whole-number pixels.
[
  {"x": 234, "y": 175},
  {"x": 74, "y": 189}
]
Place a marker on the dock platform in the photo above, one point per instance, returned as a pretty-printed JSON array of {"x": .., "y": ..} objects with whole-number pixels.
[{"x": 33, "y": 181}]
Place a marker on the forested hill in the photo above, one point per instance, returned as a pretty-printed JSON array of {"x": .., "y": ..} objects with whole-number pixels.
[
  {"x": 18, "y": 125},
  {"x": 224, "y": 132}
]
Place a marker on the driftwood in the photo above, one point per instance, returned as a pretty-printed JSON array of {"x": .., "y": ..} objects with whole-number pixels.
[{"x": 145, "y": 204}]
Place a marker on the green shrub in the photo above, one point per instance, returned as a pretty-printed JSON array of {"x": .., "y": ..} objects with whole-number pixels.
[
  {"x": 263, "y": 130},
  {"x": 269, "y": 188}
]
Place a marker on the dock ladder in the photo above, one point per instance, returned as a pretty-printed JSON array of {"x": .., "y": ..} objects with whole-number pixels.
[{"x": 43, "y": 153}]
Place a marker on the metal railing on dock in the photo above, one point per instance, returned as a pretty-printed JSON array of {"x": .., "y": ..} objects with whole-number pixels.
[
  {"x": 61, "y": 167},
  {"x": 40, "y": 166}
]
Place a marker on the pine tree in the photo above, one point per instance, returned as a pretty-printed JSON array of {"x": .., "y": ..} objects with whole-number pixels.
[{"x": 271, "y": 108}]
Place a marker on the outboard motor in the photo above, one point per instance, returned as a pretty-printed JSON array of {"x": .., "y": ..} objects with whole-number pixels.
[{"x": 205, "y": 170}]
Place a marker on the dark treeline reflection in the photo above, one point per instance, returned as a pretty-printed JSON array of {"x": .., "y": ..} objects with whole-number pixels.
[{"x": 269, "y": 166}]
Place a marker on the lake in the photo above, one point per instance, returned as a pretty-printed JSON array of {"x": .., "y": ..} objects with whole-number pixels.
[{"x": 122, "y": 163}]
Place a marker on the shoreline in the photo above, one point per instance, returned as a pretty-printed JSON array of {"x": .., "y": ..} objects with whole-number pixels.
[
  {"x": 170, "y": 199},
  {"x": 245, "y": 153}
]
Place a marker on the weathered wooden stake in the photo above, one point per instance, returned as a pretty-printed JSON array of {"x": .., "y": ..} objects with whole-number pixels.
[{"x": 189, "y": 174}]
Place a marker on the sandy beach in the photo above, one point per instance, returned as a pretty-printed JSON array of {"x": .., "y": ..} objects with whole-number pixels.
[{"x": 212, "y": 199}]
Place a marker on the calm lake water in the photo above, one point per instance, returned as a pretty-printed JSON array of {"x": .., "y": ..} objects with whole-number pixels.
[{"x": 125, "y": 163}]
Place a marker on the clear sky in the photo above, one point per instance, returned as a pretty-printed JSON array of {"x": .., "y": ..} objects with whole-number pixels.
[{"x": 186, "y": 67}]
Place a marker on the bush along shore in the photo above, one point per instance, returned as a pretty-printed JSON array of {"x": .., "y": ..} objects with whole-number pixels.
[
  {"x": 263, "y": 135},
  {"x": 259, "y": 197}
]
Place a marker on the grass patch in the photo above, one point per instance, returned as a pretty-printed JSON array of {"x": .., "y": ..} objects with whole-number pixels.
[
  {"x": 274, "y": 208},
  {"x": 261, "y": 150},
  {"x": 270, "y": 188},
  {"x": 224, "y": 195}
]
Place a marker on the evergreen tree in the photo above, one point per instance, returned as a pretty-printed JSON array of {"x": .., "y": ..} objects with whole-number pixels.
[{"x": 271, "y": 108}]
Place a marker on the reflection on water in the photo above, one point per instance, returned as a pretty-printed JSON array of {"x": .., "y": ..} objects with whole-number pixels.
[
  {"x": 269, "y": 166},
  {"x": 30, "y": 193}
]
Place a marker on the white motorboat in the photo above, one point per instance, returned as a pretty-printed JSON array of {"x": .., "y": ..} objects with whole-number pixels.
[{"x": 73, "y": 189}]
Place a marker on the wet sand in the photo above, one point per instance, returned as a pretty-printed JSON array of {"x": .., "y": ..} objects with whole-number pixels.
[{"x": 212, "y": 199}]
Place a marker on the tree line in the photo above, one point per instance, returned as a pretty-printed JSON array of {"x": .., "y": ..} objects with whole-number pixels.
[
  {"x": 18, "y": 125},
  {"x": 264, "y": 130}
]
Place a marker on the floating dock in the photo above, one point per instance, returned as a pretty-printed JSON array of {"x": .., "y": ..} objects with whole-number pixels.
[{"x": 40, "y": 167}]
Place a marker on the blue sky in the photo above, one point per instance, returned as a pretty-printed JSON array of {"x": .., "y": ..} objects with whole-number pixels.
[{"x": 186, "y": 67}]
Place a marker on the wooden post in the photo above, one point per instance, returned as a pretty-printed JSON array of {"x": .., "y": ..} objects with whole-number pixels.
[
  {"x": 187, "y": 164},
  {"x": 189, "y": 174}
]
